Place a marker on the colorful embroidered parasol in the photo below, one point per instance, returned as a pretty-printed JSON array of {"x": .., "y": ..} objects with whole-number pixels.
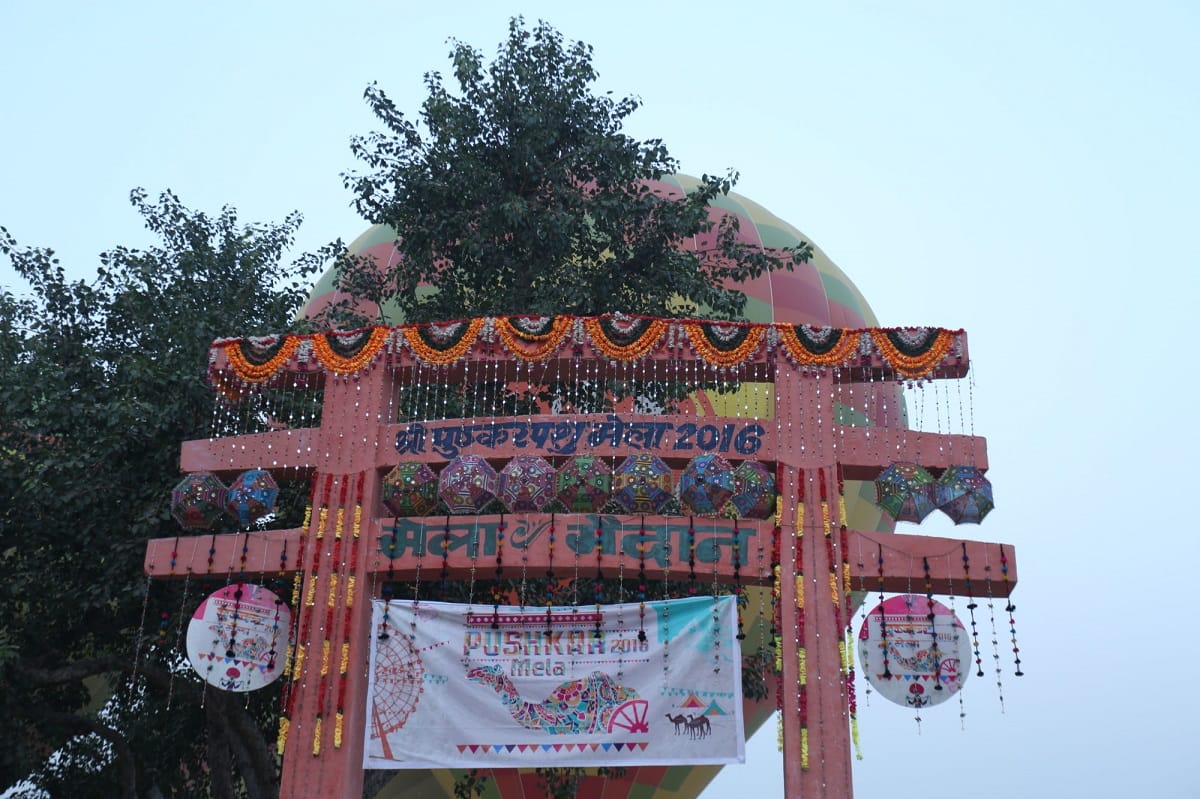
[
  {"x": 754, "y": 491},
  {"x": 583, "y": 484},
  {"x": 964, "y": 494},
  {"x": 410, "y": 489},
  {"x": 198, "y": 500},
  {"x": 643, "y": 484},
  {"x": 526, "y": 484},
  {"x": 707, "y": 484},
  {"x": 905, "y": 490},
  {"x": 468, "y": 484},
  {"x": 252, "y": 496}
]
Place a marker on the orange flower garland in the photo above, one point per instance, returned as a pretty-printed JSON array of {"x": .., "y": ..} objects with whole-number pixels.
[
  {"x": 798, "y": 351},
  {"x": 637, "y": 348},
  {"x": 532, "y": 347},
  {"x": 917, "y": 364},
  {"x": 698, "y": 334},
  {"x": 436, "y": 357},
  {"x": 251, "y": 372},
  {"x": 344, "y": 365}
]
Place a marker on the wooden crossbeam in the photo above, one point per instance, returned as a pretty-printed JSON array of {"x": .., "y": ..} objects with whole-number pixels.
[{"x": 406, "y": 548}]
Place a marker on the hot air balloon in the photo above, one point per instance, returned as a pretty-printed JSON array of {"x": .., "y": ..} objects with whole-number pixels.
[{"x": 815, "y": 293}]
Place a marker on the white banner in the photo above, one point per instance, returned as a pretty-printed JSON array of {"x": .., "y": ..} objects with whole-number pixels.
[{"x": 452, "y": 686}]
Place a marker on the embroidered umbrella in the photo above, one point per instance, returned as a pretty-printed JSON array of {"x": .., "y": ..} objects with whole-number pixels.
[
  {"x": 252, "y": 496},
  {"x": 754, "y": 491},
  {"x": 526, "y": 484},
  {"x": 964, "y": 494},
  {"x": 905, "y": 490},
  {"x": 468, "y": 484},
  {"x": 643, "y": 484},
  {"x": 706, "y": 484},
  {"x": 410, "y": 489},
  {"x": 583, "y": 484},
  {"x": 198, "y": 500}
]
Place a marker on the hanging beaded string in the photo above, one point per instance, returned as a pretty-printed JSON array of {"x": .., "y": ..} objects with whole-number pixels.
[
  {"x": 776, "y": 614},
  {"x": 763, "y": 632},
  {"x": 339, "y": 527},
  {"x": 691, "y": 542},
  {"x": 445, "y": 576},
  {"x": 835, "y": 592},
  {"x": 957, "y": 639},
  {"x": 141, "y": 633},
  {"x": 301, "y": 616},
  {"x": 847, "y": 643},
  {"x": 887, "y": 671},
  {"x": 737, "y": 579},
  {"x": 164, "y": 617},
  {"x": 473, "y": 546},
  {"x": 550, "y": 581},
  {"x": 206, "y": 584},
  {"x": 348, "y": 606},
  {"x": 523, "y": 590},
  {"x": 498, "y": 577},
  {"x": 934, "y": 651},
  {"x": 716, "y": 616},
  {"x": 598, "y": 589},
  {"x": 388, "y": 589},
  {"x": 183, "y": 603},
  {"x": 987, "y": 571},
  {"x": 801, "y": 613},
  {"x": 971, "y": 605},
  {"x": 665, "y": 627},
  {"x": 1010, "y": 608},
  {"x": 641, "y": 548}
]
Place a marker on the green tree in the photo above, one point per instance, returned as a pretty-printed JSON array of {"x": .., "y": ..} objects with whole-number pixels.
[
  {"x": 102, "y": 381},
  {"x": 516, "y": 191}
]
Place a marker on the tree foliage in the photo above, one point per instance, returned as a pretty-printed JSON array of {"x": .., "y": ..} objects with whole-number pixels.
[
  {"x": 515, "y": 191},
  {"x": 102, "y": 381}
]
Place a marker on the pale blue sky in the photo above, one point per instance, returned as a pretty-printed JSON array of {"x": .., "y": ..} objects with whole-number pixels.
[{"x": 1025, "y": 170}]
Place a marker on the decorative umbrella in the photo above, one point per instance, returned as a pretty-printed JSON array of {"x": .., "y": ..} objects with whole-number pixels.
[
  {"x": 583, "y": 484},
  {"x": 964, "y": 494},
  {"x": 526, "y": 484},
  {"x": 643, "y": 484},
  {"x": 706, "y": 484},
  {"x": 754, "y": 491},
  {"x": 252, "y": 496},
  {"x": 468, "y": 484},
  {"x": 198, "y": 500},
  {"x": 410, "y": 489},
  {"x": 905, "y": 490}
]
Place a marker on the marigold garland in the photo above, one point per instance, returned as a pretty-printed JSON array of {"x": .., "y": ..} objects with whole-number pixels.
[
  {"x": 252, "y": 372},
  {"x": 349, "y": 364},
  {"x": 799, "y": 351},
  {"x": 435, "y": 356},
  {"x": 532, "y": 346},
  {"x": 921, "y": 359},
  {"x": 706, "y": 341},
  {"x": 912, "y": 352},
  {"x": 637, "y": 346}
]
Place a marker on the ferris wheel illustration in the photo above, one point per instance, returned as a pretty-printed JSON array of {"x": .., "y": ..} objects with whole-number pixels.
[{"x": 399, "y": 680}]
